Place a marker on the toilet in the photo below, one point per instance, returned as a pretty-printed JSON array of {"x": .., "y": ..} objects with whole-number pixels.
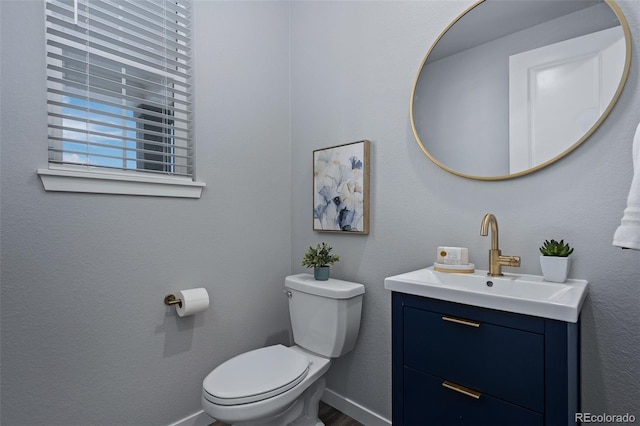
[{"x": 279, "y": 385}]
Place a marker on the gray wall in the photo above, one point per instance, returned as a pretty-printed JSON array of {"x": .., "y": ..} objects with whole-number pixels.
[
  {"x": 83, "y": 276},
  {"x": 353, "y": 65},
  {"x": 86, "y": 338}
]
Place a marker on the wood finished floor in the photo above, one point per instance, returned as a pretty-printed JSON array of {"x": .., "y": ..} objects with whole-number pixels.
[{"x": 329, "y": 416}]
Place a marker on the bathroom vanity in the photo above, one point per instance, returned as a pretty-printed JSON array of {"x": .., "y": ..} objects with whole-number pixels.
[{"x": 475, "y": 350}]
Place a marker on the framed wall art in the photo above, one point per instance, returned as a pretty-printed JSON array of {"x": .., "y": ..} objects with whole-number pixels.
[{"x": 341, "y": 188}]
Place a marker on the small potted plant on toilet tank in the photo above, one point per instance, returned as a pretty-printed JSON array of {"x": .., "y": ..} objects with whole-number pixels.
[
  {"x": 319, "y": 258},
  {"x": 555, "y": 260}
]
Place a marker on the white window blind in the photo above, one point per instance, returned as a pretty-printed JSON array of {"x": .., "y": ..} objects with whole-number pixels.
[{"x": 119, "y": 85}]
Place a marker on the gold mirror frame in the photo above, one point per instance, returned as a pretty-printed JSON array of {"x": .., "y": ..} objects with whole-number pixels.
[{"x": 627, "y": 35}]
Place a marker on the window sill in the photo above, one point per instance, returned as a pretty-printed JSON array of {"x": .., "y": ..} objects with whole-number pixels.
[{"x": 65, "y": 180}]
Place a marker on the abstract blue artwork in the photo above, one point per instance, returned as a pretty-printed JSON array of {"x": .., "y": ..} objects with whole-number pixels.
[{"x": 341, "y": 188}]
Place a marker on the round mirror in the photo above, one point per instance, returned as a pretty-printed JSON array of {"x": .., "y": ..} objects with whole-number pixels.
[{"x": 513, "y": 86}]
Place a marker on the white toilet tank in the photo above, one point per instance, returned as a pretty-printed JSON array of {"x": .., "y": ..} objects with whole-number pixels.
[{"x": 325, "y": 315}]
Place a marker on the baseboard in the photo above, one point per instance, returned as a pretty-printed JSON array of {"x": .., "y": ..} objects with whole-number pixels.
[
  {"x": 199, "y": 418},
  {"x": 337, "y": 401},
  {"x": 353, "y": 409}
]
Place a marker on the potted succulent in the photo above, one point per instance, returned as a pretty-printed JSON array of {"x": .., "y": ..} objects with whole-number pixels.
[
  {"x": 555, "y": 260},
  {"x": 319, "y": 258}
]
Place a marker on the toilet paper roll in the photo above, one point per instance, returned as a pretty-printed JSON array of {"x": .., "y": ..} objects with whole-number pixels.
[{"x": 194, "y": 300}]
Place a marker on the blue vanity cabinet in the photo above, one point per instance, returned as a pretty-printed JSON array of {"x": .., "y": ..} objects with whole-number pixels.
[{"x": 457, "y": 364}]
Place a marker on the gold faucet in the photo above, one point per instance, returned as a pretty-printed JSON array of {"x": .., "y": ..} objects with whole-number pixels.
[{"x": 496, "y": 260}]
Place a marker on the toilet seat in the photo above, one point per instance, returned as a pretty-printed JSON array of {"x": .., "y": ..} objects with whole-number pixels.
[{"x": 255, "y": 376}]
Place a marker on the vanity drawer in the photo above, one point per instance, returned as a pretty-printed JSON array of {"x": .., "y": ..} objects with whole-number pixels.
[
  {"x": 504, "y": 362},
  {"x": 428, "y": 402}
]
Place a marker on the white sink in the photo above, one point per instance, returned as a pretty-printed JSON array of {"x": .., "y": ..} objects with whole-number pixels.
[{"x": 522, "y": 294}]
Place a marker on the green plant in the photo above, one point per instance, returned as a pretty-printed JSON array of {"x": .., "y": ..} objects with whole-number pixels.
[
  {"x": 319, "y": 256},
  {"x": 554, "y": 248}
]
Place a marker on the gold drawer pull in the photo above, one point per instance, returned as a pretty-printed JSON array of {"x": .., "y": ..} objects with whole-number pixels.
[
  {"x": 462, "y": 321},
  {"x": 464, "y": 390}
]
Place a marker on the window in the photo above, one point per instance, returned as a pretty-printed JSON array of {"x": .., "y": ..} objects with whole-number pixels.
[{"x": 119, "y": 95}]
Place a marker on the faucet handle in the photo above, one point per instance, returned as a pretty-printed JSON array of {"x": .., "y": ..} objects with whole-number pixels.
[{"x": 510, "y": 260}]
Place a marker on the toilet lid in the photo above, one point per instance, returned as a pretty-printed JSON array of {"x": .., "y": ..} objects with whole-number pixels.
[{"x": 256, "y": 375}]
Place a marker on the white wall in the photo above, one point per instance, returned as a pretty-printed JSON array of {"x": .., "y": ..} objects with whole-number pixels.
[
  {"x": 353, "y": 65},
  {"x": 83, "y": 276},
  {"x": 86, "y": 338}
]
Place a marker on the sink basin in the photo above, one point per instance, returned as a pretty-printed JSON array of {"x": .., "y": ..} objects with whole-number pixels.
[{"x": 522, "y": 294}]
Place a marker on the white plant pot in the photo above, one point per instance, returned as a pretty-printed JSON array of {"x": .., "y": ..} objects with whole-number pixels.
[{"x": 555, "y": 269}]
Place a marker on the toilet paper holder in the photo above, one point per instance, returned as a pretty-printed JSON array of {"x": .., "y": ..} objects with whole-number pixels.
[{"x": 171, "y": 299}]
